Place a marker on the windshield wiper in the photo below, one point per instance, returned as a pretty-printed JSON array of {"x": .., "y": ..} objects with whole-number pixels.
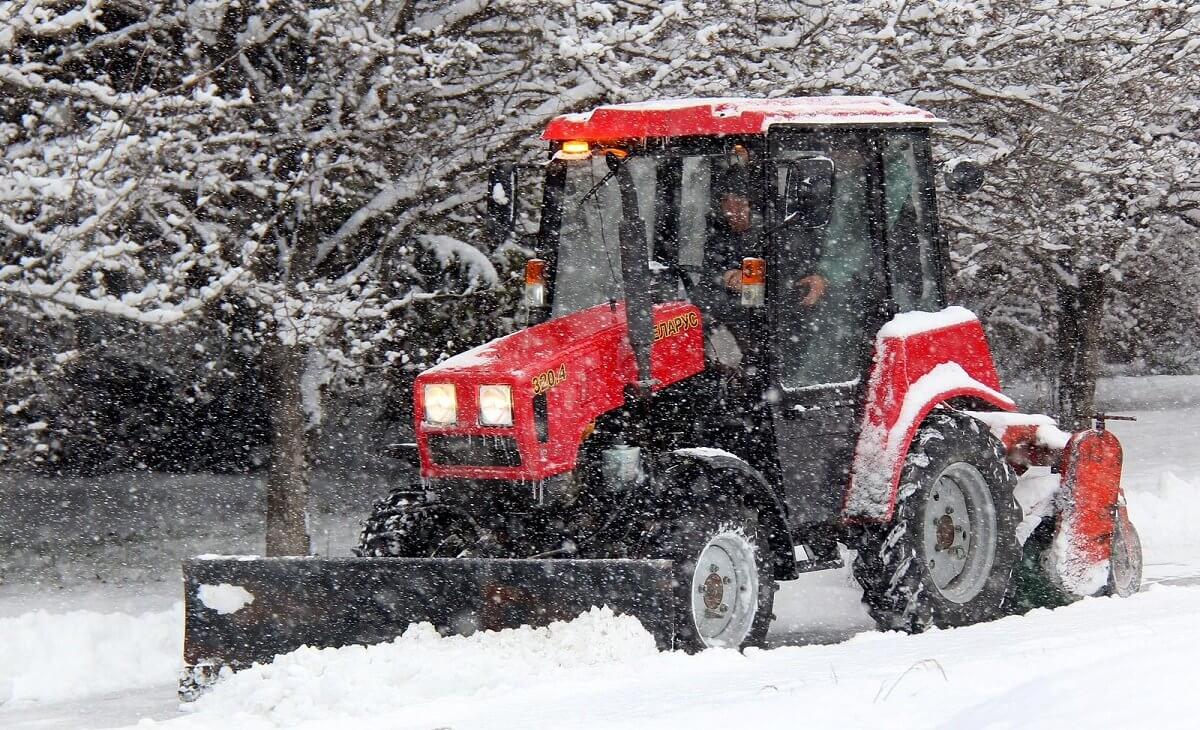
[{"x": 614, "y": 163}]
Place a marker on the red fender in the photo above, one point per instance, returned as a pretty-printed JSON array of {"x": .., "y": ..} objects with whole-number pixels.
[{"x": 921, "y": 360}]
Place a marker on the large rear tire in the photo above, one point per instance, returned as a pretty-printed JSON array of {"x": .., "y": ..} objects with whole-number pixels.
[
  {"x": 948, "y": 555},
  {"x": 724, "y": 587},
  {"x": 411, "y": 525}
]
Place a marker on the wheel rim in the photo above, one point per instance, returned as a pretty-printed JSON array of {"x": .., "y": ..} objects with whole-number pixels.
[
  {"x": 959, "y": 532},
  {"x": 1126, "y": 563},
  {"x": 725, "y": 590}
]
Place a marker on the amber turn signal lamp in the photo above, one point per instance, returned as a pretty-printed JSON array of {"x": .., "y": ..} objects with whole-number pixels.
[
  {"x": 574, "y": 149},
  {"x": 754, "y": 282},
  {"x": 535, "y": 283}
]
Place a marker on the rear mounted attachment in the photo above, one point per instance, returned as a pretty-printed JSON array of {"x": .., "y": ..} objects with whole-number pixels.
[
  {"x": 1092, "y": 503},
  {"x": 1094, "y": 548},
  {"x": 1102, "y": 418}
]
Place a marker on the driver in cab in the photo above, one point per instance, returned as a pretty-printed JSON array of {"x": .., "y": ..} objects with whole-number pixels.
[{"x": 732, "y": 238}]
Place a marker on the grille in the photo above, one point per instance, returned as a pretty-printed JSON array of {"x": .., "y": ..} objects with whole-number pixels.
[
  {"x": 474, "y": 451},
  {"x": 541, "y": 418}
]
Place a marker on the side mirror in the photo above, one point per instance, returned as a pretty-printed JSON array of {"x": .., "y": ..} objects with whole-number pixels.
[
  {"x": 502, "y": 196},
  {"x": 808, "y": 192},
  {"x": 963, "y": 177}
]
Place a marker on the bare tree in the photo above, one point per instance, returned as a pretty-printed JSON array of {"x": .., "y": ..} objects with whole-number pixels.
[{"x": 280, "y": 168}]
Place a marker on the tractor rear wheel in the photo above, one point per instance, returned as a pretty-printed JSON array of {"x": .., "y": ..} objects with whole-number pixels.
[
  {"x": 947, "y": 557},
  {"x": 724, "y": 588},
  {"x": 411, "y": 525}
]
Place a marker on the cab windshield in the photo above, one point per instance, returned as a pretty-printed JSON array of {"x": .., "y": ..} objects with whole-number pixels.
[
  {"x": 679, "y": 197},
  {"x": 703, "y": 205},
  {"x": 589, "y": 245}
]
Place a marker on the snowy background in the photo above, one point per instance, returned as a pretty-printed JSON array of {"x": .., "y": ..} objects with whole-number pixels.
[{"x": 221, "y": 220}]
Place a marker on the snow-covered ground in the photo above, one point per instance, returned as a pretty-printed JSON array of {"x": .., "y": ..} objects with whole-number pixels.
[
  {"x": 48, "y": 657},
  {"x": 1102, "y": 662}
]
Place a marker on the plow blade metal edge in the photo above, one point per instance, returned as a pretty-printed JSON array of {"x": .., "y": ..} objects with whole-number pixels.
[{"x": 324, "y": 602}]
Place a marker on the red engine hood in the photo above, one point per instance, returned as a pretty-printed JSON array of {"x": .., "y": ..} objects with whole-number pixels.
[{"x": 580, "y": 364}]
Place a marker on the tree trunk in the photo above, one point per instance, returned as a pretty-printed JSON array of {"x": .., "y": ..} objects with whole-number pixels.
[
  {"x": 287, "y": 483},
  {"x": 1078, "y": 348}
]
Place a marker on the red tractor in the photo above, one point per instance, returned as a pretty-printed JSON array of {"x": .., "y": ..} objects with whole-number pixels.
[{"x": 738, "y": 356}]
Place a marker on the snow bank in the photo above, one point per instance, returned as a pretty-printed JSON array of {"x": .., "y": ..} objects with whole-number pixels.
[
  {"x": 1162, "y": 487},
  {"x": 1166, "y": 519},
  {"x": 1153, "y": 392},
  {"x": 46, "y": 657},
  {"x": 1120, "y": 394},
  {"x": 1049, "y": 669},
  {"x": 423, "y": 667}
]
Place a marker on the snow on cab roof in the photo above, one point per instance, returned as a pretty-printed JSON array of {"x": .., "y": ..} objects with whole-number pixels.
[{"x": 697, "y": 117}]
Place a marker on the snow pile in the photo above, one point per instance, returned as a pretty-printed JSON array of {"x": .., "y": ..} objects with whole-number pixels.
[
  {"x": 1166, "y": 519},
  {"x": 422, "y": 667},
  {"x": 46, "y": 657},
  {"x": 224, "y": 598},
  {"x": 601, "y": 673}
]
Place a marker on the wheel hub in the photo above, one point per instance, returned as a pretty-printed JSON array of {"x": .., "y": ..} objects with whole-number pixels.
[
  {"x": 714, "y": 591},
  {"x": 946, "y": 530}
]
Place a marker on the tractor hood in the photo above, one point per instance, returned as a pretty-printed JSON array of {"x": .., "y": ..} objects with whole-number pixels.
[{"x": 562, "y": 375}]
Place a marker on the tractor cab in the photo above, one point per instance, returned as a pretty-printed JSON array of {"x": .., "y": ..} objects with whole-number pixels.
[{"x": 797, "y": 227}]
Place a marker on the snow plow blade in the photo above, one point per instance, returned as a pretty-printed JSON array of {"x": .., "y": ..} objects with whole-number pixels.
[{"x": 239, "y": 611}]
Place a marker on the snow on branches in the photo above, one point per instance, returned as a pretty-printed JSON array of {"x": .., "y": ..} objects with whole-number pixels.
[{"x": 305, "y": 171}]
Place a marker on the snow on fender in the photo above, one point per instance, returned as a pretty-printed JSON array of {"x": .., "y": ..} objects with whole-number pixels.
[
  {"x": 921, "y": 359},
  {"x": 224, "y": 598}
]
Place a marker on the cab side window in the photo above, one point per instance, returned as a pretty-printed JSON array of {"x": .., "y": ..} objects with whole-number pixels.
[
  {"x": 822, "y": 334},
  {"x": 908, "y": 222}
]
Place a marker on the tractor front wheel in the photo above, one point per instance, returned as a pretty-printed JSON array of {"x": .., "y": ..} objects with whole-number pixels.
[
  {"x": 412, "y": 525},
  {"x": 947, "y": 557},
  {"x": 724, "y": 589}
]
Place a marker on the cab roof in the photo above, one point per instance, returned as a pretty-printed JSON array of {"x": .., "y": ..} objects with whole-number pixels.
[{"x": 707, "y": 117}]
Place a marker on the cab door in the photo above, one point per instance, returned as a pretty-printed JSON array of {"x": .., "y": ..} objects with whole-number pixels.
[{"x": 827, "y": 294}]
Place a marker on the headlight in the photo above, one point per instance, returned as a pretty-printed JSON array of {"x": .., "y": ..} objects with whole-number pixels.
[
  {"x": 495, "y": 405},
  {"x": 441, "y": 404}
]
